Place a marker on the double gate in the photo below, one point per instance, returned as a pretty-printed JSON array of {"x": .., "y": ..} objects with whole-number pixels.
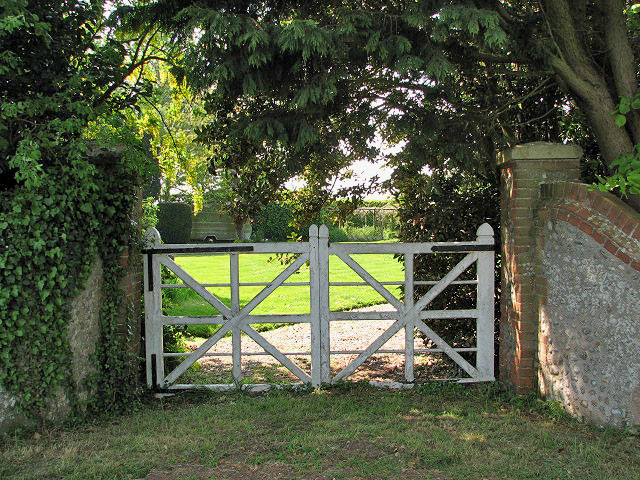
[{"x": 412, "y": 314}]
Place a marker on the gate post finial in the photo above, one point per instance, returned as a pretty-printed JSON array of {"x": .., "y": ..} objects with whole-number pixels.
[
  {"x": 485, "y": 233},
  {"x": 152, "y": 237}
]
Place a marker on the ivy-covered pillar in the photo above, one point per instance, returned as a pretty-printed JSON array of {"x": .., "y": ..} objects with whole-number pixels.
[{"x": 523, "y": 169}]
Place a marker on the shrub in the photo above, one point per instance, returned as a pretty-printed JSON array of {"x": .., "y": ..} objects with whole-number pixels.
[
  {"x": 273, "y": 223},
  {"x": 447, "y": 206},
  {"x": 174, "y": 222},
  {"x": 389, "y": 234},
  {"x": 363, "y": 234},
  {"x": 336, "y": 234},
  {"x": 202, "y": 331}
]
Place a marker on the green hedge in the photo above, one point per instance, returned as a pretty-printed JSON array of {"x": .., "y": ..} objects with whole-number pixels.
[
  {"x": 448, "y": 206},
  {"x": 273, "y": 223},
  {"x": 174, "y": 222}
]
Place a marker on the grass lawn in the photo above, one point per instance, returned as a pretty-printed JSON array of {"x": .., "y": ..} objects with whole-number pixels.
[
  {"x": 294, "y": 299},
  {"x": 350, "y": 432}
]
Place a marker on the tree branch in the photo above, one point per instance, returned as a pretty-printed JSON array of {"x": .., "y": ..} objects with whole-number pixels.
[
  {"x": 570, "y": 48},
  {"x": 621, "y": 57}
]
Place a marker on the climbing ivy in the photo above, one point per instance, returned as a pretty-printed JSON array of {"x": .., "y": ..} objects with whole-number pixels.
[
  {"x": 64, "y": 77},
  {"x": 50, "y": 236}
]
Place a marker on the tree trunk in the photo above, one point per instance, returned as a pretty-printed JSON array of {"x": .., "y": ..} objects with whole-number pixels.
[
  {"x": 596, "y": 94},
  {"x": 238, "y": 224}
]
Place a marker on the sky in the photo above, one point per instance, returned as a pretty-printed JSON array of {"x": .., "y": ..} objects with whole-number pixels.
[{"x": 365, "y": 171}]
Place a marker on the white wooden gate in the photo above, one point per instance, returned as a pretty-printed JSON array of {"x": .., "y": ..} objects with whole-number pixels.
[{"x": 409, "y": 315}]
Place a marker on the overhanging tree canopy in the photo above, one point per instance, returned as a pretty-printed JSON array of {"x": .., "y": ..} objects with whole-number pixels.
[{"x": 318, "y": 79}]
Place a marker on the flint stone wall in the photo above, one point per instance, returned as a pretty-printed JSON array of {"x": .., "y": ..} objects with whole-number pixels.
[
  {"x": 570, "y": 324},
  {"x": 589, "y": 329},
  {"x": 83, "y": 334}
]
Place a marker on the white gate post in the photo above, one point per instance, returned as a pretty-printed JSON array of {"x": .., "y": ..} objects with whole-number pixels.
[
  {"x": 323, "y": 264},
  {"x": 409, "y": 329},
  {"x": 236, "y": 339},
  {"x": 314, "y": 300},
  {"x": 153, "y": 310},
  {"x": 485, "y": 304}
]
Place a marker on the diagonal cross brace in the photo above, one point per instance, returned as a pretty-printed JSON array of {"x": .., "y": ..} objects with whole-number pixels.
[
  {"x": 275, "y": 353},
  {"x": 211, "y": 299},
  {"x": 412, "y": 314},
  {"x": 367, "y": 277},
  {"x": 233, "y": 321},
  {"x": 446, "y": 348}
]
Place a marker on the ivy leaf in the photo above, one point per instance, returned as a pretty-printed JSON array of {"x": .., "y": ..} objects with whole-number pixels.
[
  {"x": 625, "y": 105},
  {"x": 620, "y": 120}
]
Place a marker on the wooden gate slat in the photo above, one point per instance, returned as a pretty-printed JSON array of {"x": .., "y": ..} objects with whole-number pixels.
[
  {"x": 277, "y": 354},
  {"x": 197, "y": 353},
  {"x": 234, "y": 321},
  {"x": 446, "y": 348},
  {"x": 211, "y": 299},
  {"x": 410, "y": 315},
  {"x": 444, "y": 282},
  {"x": 371, "y": 349},
  {"x": 367, "y": 277}
]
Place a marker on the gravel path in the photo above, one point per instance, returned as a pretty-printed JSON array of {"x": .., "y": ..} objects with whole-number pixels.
[{"x": 345, "y": 335}]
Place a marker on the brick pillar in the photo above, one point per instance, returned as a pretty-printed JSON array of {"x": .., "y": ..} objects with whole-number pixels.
[{"x": 523, "y": 169}]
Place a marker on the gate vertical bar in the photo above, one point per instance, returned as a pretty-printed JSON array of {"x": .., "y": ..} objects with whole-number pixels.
[
  {"x": 236, "y": 339},
  {"x": 151, "y": 310},
  {"x": 324, "y": 309},
  {"x": 314, "y": 303},
  {"x": 148, "y": 319},
  {"x": 485, "y": 304},
  {"x": 158, "y": 347},
  {"x": 409, "y": 329}
]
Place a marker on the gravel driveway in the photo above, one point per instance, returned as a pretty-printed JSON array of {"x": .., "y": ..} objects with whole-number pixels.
[{"x": 345, "y": 335}]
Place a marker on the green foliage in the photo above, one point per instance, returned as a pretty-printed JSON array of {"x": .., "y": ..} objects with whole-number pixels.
[
  {"x": 315, "y": 84},
  {"x": 446, "y": 207},
  {"x": 318, "y": 84},
  {"x": 174, "y": 222},
  {"x": 50, "y": 236},
  {"x": 336, "y": 234},
  {"x": 273, "y": 223},
  {"x": 62, "y": 69},
  {"x": 149, "y": 213},
  {"x": 169, "y": 120},
  {"x": 626, "y": 168},
  {"x": 55, "y": 77},
  {"x": 378, "y": 202},
  {"x": 626, "y": 178},
  {"x": 363, "y": 234}
]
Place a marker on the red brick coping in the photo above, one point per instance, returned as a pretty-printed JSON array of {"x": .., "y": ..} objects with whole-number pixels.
[{"x": 604, "y": 217}]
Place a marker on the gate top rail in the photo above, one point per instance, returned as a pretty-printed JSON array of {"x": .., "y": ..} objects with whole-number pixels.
[
  {"x": 199, "y": 248},
  {"x": 172, "y": 248}
]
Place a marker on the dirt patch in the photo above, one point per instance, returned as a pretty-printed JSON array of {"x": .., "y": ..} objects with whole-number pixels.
[{"x": 181, "y": 472}]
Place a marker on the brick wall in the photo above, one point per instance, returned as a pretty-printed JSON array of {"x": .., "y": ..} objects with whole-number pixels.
[
  {"x": 570, "y": 325},
  {"x": 523, "y": 170}
]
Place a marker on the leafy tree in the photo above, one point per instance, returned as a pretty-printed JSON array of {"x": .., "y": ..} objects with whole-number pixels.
[
  {"x": 63, "y": 68},
  {"x": 169, "y": 119},
  {"x": 311, "y": 79}
]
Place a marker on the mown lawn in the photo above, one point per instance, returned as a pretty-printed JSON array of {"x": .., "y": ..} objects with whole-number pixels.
[
  {"x": 293, "y": 299},
  {"x": 350, "y": 432}
]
